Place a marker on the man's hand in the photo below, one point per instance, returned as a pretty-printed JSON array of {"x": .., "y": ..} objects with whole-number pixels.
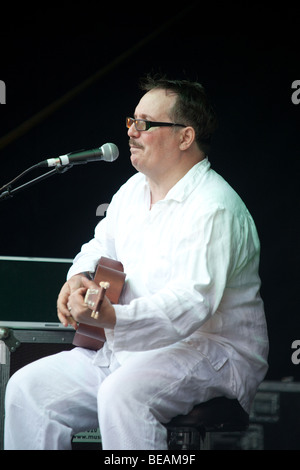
[
  {"x": 82, "y": 314},
  {"x": 63, "y": 308}
]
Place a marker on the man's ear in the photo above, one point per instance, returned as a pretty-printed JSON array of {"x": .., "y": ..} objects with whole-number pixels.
[{"x": 187, "y": 137}]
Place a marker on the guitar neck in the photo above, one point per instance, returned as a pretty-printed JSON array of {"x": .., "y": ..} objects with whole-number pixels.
[{"x": 111, "y": 273}]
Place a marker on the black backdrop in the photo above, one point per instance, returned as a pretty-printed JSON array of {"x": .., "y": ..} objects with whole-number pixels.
[{"x": 246, "y": 55}]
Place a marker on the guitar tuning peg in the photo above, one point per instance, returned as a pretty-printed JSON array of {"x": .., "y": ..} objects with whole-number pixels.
[
  {"x": 95, "y": 315},
  {"x": 105, "y": 285}
]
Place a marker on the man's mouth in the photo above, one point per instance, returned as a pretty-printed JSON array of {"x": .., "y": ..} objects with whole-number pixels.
[{"x": 134, "y": 145}]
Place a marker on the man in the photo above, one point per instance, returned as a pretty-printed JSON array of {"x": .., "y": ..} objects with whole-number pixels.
[{"x": 190, "y": 323}]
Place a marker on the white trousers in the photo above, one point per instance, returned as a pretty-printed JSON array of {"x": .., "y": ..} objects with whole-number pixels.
[{"x": 50, "y": 400}]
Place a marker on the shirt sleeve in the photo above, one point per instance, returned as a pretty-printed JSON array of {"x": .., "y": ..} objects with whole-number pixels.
[
  {"x": 101, "y": 245},
  {"x": 204, "y": 264}
]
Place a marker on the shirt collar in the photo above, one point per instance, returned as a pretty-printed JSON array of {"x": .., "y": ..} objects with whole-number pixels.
[{"x": 183, "y": 188}]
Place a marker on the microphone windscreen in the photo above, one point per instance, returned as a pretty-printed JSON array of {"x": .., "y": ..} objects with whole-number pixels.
[{"x": 110, "y": 152}]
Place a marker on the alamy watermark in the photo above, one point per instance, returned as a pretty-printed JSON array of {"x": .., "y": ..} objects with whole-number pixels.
[
  {"x": 295, "y": 97},
  {"x": 101, "y": 209},
  {"x": 296, "y": 354},
  {"x": 2, "y": 92},
  {"x": 296, "y": 94}
]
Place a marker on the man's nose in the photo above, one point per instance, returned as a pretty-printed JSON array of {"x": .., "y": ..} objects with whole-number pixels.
[{"x": 132, "y": 132}]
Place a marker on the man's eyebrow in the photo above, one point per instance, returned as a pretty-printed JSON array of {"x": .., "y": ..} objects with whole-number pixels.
[{"x": 147, "y": 117}]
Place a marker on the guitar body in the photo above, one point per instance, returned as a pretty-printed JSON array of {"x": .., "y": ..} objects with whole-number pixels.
[{"x": 108, "y": 271}]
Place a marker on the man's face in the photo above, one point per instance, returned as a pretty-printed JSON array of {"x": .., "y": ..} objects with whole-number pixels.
[{"x": 154, "y": 152}]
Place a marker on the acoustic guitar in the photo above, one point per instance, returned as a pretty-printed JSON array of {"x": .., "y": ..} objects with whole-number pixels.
[{"x": 110, "y": 278}]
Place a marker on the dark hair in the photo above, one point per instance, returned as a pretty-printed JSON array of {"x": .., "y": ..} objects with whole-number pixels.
[{"x": 192, "y": 107}]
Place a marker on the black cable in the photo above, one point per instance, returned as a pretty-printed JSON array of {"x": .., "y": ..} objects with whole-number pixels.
[{"x": 19, "y": 176}]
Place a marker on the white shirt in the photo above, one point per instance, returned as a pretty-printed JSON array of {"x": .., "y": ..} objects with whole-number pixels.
[{"x": 192, "y": 274}]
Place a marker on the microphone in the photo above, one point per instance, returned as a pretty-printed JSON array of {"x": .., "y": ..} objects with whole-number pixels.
[{"x": 106, "y": 153}]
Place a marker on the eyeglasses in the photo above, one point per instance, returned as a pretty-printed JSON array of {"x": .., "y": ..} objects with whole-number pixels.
[{"x": 143, "y": 125}]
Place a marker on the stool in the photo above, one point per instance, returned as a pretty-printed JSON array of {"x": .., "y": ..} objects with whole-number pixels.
[{"x": 216, "y": 415}]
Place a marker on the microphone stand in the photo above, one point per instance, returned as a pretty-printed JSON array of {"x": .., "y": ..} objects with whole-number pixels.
[{"x": 10, "y": 192}]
